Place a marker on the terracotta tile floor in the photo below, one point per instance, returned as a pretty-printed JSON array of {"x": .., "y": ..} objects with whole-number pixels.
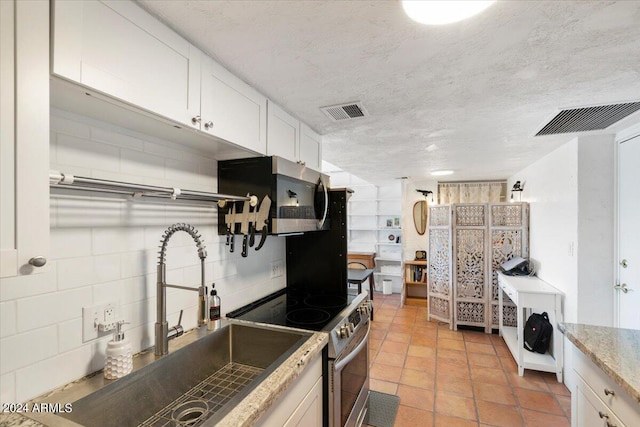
[{"x": 456, "y": 378}]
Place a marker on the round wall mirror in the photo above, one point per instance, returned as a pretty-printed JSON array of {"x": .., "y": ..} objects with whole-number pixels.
[{"x": 420, "y": 216}]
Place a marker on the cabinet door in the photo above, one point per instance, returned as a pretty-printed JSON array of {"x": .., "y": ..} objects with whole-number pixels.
[
  {"x": 120, "y": 50},
  {"x": 309, "y": 412},
  {"x": 231, "y": 109},
  {"x": 283, "y": 133},
  {"x": 310, "y": 147},
  {"x": 589, "y": 410},
  {"x": 24, "y": 131}
]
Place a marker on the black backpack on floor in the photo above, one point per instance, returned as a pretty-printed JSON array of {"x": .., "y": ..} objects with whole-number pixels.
[{"x": 537, "y": 333}]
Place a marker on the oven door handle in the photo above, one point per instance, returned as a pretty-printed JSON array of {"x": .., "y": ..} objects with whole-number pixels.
[{"x": 348, "y": 358}]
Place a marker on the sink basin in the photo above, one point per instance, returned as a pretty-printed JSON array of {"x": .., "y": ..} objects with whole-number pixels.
[{"x": 195, "y": 385}]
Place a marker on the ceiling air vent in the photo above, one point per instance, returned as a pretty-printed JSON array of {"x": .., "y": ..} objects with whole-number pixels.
[
  {"x": 588, "y": 118},
  {"x": 349, "y": 111}
]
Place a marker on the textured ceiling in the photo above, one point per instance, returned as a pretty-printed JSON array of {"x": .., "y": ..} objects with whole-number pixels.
[{"x": 475, "y": 92}]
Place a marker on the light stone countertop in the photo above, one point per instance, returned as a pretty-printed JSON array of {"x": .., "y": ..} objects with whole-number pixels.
[
  {"x": 258, "y": 402},
  {"x": 17, "y": 420},
  {"x": 614, "y": 350}
]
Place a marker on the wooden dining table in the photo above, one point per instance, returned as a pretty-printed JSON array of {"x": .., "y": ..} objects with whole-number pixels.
[{"x": 357, "y": 276}]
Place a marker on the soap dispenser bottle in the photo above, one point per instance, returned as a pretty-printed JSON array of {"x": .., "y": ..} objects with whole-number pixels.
[
  {"x": 119, "y": 355},
  {"x": 214, "y": 310}
]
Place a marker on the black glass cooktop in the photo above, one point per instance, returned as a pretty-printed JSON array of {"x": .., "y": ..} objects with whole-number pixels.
[{"x": 297, "y": 309}]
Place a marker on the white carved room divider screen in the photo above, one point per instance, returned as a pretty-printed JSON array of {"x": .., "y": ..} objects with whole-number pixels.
[{"x": 467, "y": 244}]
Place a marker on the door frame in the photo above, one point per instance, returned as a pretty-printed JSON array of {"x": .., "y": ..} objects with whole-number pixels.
[{"x": 622, "y": 136}]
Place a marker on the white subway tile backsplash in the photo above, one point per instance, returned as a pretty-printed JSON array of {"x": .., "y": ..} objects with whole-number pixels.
[
  {"x": 141, "y": 164},
  {"x": 24, "y": 349},
  {"x": 29, "y": 285},
  {"x": 163, "y": 151},
  {"x": 8, "y": 388},
  {"x": 48, "y": 309},
  {"x": 69, "y": 335},
  {"x": 75, "y": 272},
  {"x": 80, "y": 211},
  {"x": 182, "y": 171},
  {"x": 135, "y": 263},
  {"x": 86, "y": 153},
  {"x": 7, "y": 318},
  {"x": 53, "y": 372},
  {"x": 108, "y": 240},
  {"x": 105, "y": 248},
  {"x": 116, "y": 139},
  {"x": 69, "y": 170},
  {"x": 70, "y": 242},
  {"x": 139, "y": 312},
  {"x": 106, "y": 268},
  {"x": 66, "y": 126}
]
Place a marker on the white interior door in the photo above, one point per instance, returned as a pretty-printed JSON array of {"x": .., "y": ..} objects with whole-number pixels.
[{"x": 629, "y": 234}]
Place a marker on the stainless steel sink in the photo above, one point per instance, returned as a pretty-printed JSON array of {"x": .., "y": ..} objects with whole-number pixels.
[{"x": 195, "y": 385}]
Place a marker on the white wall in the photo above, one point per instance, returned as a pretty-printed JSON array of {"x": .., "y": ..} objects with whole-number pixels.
[
  {"x": 571, "y": 194},
  {"x": 412, "y": 240},
  {"x": 551, "y": 188},
  {"x": 571, "y": 228},
  {"x": 105, "y": 249}
]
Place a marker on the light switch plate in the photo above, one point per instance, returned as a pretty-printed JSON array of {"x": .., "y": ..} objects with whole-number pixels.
[{"x": 106, "y": 313}]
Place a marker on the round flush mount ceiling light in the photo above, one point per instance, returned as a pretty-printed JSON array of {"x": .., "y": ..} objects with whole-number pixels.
[
  {"x": 441, "y": 173},
  {"x": 439, "y": 12}
]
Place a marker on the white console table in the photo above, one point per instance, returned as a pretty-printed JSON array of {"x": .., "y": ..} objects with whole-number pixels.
[{"x": 529, "y": 294}]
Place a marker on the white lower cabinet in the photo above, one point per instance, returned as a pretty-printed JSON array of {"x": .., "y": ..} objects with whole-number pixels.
[
  {"x": 120, "y": 50},
  {"x": 597, "y": 400},
  {"x": 590, "y": 411},
  {"x": 301, "y": 404},
  {"x": 232, "y": 110},
  {"x": 24, "y": 136}
]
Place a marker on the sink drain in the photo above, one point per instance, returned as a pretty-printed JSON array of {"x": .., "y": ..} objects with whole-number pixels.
[{"x": 189, "y": 413}]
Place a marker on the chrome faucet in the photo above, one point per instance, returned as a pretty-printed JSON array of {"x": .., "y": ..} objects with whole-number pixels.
[{"x": 163, "y": 332}]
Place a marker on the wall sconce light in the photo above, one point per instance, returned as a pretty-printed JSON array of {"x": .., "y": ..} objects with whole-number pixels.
[
  {"x": 425, "y": 193},
  {"x": 517, "y": 188}
]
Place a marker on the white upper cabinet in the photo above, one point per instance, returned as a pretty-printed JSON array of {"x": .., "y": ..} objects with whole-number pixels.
[
  {"x": 283, "y": 133},
  {"x": 232, "y": 110},
  {"x": 288, "y": 137},
  {"x": 24, "y": 136},
  {"x": 310, "y": 147},
  {"x": 118, "y": 49}
]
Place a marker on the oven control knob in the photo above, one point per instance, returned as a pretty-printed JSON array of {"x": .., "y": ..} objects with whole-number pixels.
[
  {"x": 344, "y": 331},
  {"x": 364, "y": 311},
  {"x": 351, "y": 327}
]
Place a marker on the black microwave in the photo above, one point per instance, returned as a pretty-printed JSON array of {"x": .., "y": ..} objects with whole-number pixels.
[{"x": 299, "y": 195}]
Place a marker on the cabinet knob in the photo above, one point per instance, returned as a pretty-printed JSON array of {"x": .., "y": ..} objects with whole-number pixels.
[
  {"x": 603, "y": 415},
  {"x": 608, "y": 392},
  {"x": 196, "y": 120},
  {"x": 38, "y": 261},
  {"x": 208, "y": 125}
]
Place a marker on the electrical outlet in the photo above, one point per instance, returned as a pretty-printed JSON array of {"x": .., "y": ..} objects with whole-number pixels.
[
  {"x": 92, "y": 317},
  {"x": 277, "y": 269}
]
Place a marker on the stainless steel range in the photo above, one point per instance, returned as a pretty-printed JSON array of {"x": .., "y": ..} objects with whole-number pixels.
[
  {"x": 346, "y": 319},
  {"x": 348, "y": 362}
]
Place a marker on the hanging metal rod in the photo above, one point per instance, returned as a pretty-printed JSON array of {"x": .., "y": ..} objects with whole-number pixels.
[{"x": 72, "y": 182}]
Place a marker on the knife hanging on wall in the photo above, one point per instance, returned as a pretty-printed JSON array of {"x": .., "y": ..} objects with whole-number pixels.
[
  {"x": 231, "y": 225},
  {"x": 244, "y": 226},
  {"x": 262, "y": 220}
]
